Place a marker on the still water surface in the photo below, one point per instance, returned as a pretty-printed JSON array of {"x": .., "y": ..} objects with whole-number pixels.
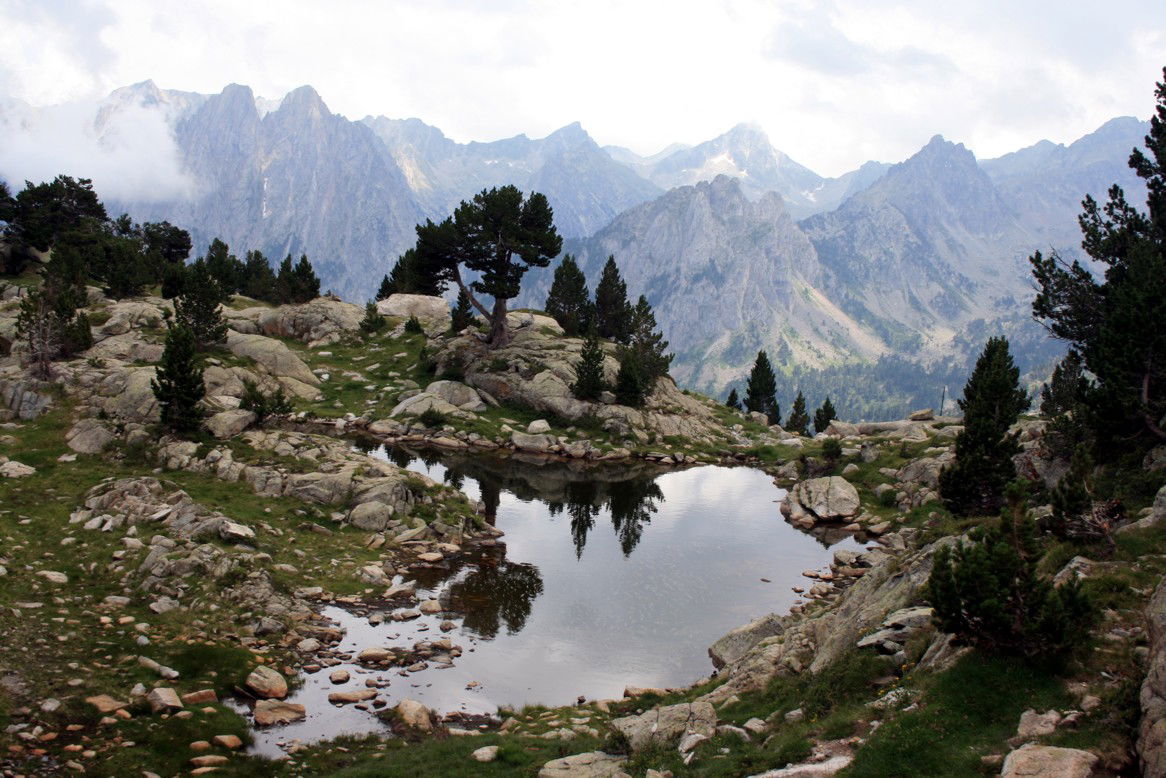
[{"x": 606, "y": 577}]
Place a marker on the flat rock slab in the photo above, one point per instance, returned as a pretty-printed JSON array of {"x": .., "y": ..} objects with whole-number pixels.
[
  {"x": 269, "y": 712},
  {"x": 593, "y": 764},
  {"x": 1049, "y": 762}
]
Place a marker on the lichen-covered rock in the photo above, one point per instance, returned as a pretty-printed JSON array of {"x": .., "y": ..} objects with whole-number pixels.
[
  {"x": 736, "y": 644},
  {"x": 457, "y": 394}
]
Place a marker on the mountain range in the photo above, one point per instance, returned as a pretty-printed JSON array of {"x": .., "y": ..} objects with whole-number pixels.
[{"x": 737, "y": 246}]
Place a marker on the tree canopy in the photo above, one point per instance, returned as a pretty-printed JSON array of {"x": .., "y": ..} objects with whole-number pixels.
[
  {"x": 993, "y": 399},
  {"x": 499, "y": 235},
  {"x": 1115, "y": 323}
]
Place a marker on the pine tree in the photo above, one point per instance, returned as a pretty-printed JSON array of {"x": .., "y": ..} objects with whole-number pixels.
[
  {"x": 179, "y": 386},
  {"x": 569, "y": 302},
  {"x": 631, "y": 385},
  {"x": 385, "y": 290},
  {"x": 173, "y": 281},
  {"x": 197, "y": 308},
  {"x": 589, "y": 371},
  {"x": 988, "y": 593},
  {"x": 1065, "y": 403},
  {"x": 499, "y": 235},
  {"x": 463, "y": 314},
  {"x": 823, "y": 416},
  {"x": 612, "y": 310},
  {"x": 285, "y": 282},
  {"x": 373, "y": 321},
  {"x": 974, "y": 483},
  {"x": 648, "y": 343},
  {"x": 38, "y": 326},
  {"x": 126, "y": 272},
  {"x": 406, "y": 277},
  {"x": 258, "y": 278},
  {"x": 307, "y": 284},
  {"x": 799, "y": 420},
  {"x": 225, "y": 268},
  {"x": 1115, "y": 321},
  {"x": 732, "y": 400},
  {"x": 761, "y": 390}
]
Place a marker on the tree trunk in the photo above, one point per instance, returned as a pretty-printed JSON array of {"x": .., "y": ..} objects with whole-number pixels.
[{"x": 499, "y": 332}]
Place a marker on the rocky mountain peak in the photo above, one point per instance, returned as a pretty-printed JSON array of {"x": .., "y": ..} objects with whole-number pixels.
[{"x": 304, "y": 101}]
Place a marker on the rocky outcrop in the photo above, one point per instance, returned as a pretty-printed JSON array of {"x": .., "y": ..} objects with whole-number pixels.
[
  {"x": 23, "y": 397},
  {"x": 1152, "y": 729},
  {"x": 667, "y": 725},
  {"x": 228, "y": 424},
  {"x": 820, "y": 499},
  {"x": 89, "y": 436},
  {"x": 536, "y": 371},
  {"x": 276, "y": 360},
  {"x": 320, "y": 322},
  {"x": 432, "y": 311},
  {"x": 815, "y": 640}
]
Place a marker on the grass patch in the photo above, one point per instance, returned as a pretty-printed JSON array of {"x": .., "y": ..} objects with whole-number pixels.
[{"x": 965, "y": 713}]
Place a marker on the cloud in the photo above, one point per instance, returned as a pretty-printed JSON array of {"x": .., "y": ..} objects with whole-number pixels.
[
  {"x": 834, "y": 82},
  {"x": 133, "y": 159}
]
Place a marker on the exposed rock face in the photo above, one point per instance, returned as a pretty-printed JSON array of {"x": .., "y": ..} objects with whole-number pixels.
[
  {"x": 277, "y": 360},
  {"x": 540, "y": 369},
  {"x": 820, "y": 499},
  {"x": 668, "y": 724},
  {"x": 1152, "y": 730},
  {"x": 737, "y": 643},
  {"x": 813, "y": 642},
  {"x": 89, "y": 436},
  {"x": 228, "y": 424},
  {"x": 319, "y": 322},
  {"x": 428, "y": 310},
  {"x": 727, "y": 276},
  {"x": 1048, "y": 762}
]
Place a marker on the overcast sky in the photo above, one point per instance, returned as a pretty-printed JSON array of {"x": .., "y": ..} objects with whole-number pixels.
[{"x": 833, "y": 83}]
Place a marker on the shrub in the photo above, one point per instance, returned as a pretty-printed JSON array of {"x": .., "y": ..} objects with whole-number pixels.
[
  {"x": 373, "y": 321},
  {"x": 988, "y": 594},
  {"x": 431, "y": 418},
  {"x": 263, "y": 404},
  {"x": 413, "y": 327},
  {"x": 832, "y": 449}
]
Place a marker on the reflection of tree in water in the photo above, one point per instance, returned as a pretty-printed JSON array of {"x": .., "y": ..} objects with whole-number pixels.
[
  {"x": 632, "y": 504},
  {"x": 401, "y": 457},
  {"x": 496, "y": 592},
  {"x": 582, "y": 506}
]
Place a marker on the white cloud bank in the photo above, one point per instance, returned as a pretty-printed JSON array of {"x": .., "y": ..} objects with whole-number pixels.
[{"x": 134, "y": 157}]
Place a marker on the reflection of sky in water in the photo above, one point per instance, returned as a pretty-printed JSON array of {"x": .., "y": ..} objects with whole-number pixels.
[{"x": 604, "y": 620}]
